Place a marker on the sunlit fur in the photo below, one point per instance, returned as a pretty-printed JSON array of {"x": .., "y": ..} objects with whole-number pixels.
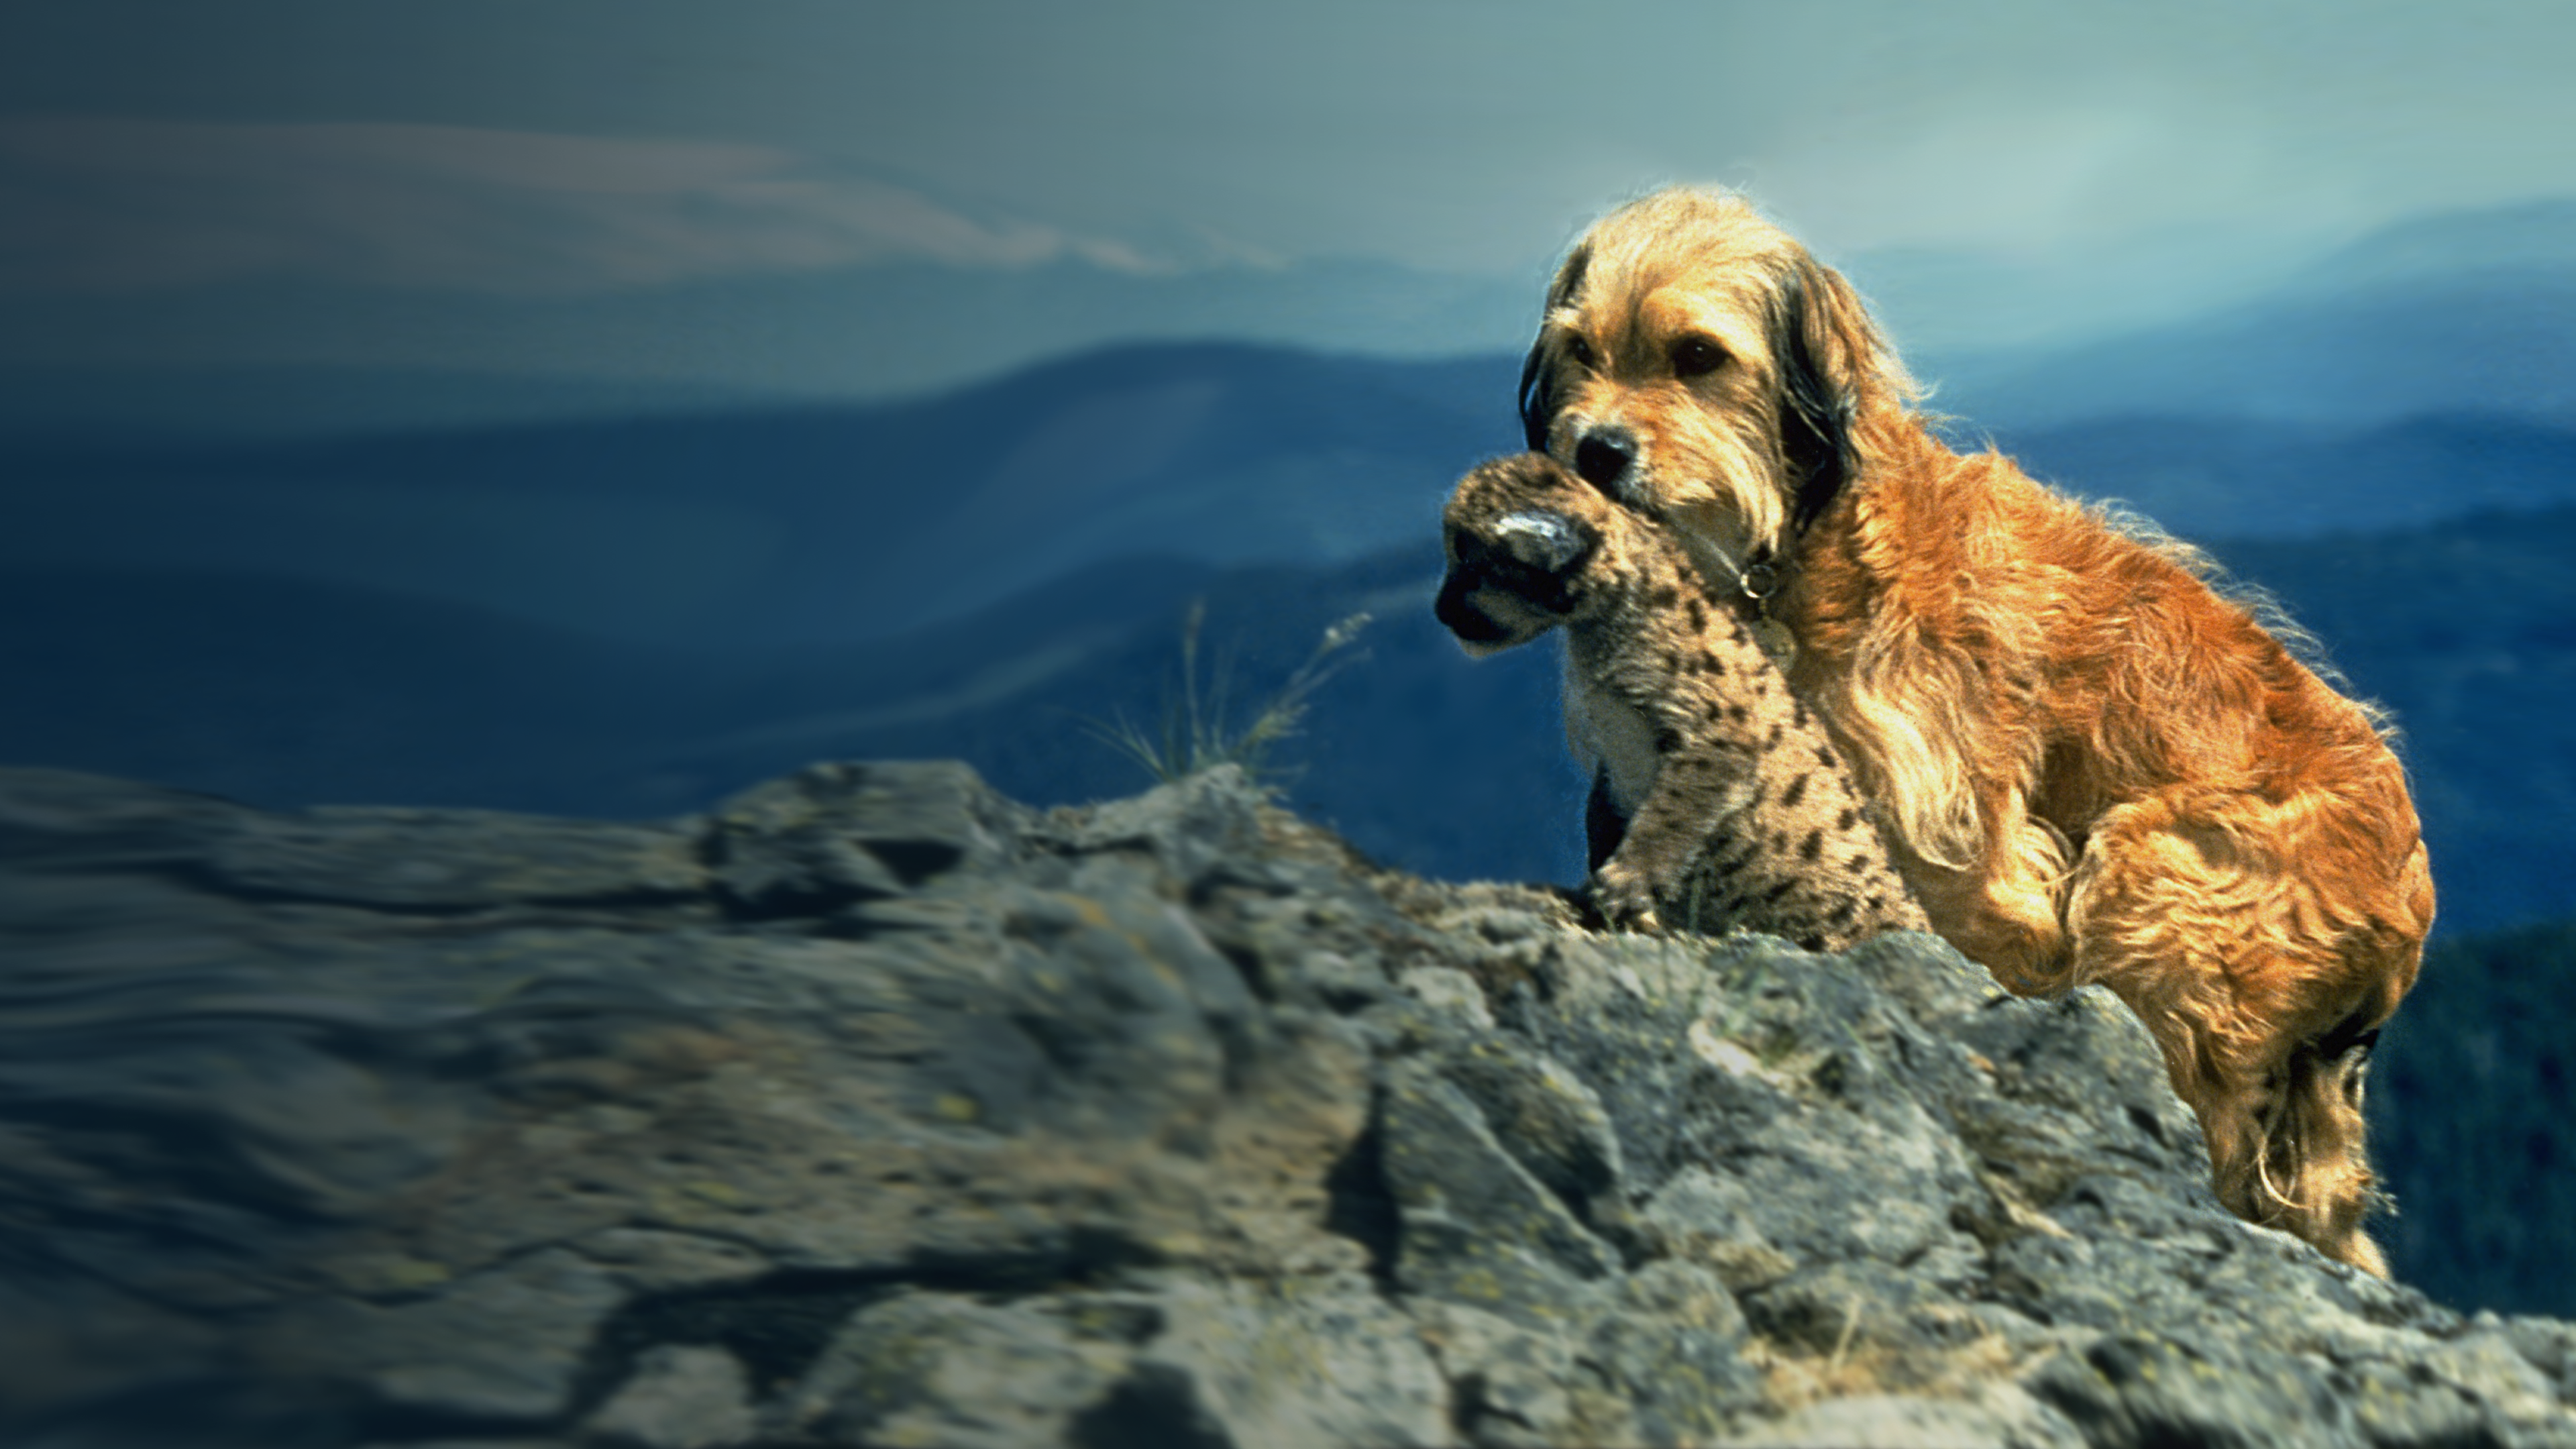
[
  {"x": 2097, "y": 767},
  {"x": 1733, "y": 809}
]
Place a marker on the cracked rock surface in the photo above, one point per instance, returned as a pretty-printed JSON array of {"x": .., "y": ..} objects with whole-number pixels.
[{"x": 875, "y": 1109}]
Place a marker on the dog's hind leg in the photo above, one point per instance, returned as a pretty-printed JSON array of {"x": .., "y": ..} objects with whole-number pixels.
[
  {"x": 2007, "y": 913},
  {"x": 2259, "y": 1001}
]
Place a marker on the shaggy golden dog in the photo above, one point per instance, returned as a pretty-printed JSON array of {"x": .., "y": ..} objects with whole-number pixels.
[{"x": 2093, "y": 765}]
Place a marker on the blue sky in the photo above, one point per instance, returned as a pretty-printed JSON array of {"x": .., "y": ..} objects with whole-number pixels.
[{"x": 2001, "y": 172}]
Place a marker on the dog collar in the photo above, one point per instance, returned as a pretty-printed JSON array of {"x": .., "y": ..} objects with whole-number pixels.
[{"x": 1759, "y": 581}]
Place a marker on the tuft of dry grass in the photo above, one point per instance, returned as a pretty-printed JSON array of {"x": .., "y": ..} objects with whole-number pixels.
[
  {"x": 1197, "y": 729},
  {"x": 1862, "y": 1364}
]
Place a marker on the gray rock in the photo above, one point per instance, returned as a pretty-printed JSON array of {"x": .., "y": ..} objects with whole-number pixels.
[
  {"x": 836, "y": 833},
  {"x": 1303, "y": 1363},
  {"x": 2002, "y": 1417},
  {"x": 874, "y": 1108},
  {"x": 1476, "y": 1221},
  {"x": 941, "y": 1368},
  {"x": 678, "y": 1398},
  {"x": 1516, "y": 1384},
  {"x": 504, "y": 1343},
  {"x": 1540, "y": 1113}
]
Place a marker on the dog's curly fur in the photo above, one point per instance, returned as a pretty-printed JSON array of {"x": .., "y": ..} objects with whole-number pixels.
[
  {"x": 2096, "y": 766},
  {"x": 1719, "y": 802}
]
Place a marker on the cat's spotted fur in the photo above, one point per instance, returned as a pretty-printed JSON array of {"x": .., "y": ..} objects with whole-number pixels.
[{"x": 1718, "y": 801}]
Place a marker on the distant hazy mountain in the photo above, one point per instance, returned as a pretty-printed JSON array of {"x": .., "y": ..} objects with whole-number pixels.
[
  {"x": 2527, "y": 237},
  {"x": 2468, "y": 1101},
  {"x": 808, "y": 525},
  {"x": 2464, "y": 312},
  {"x": 820, "y": 524},
  {"x": 295, "y": 692},
  {"x": 873, "y": 332},
  {"x": 183, "y": 405},
  {"x": 2225, "y": 477}
]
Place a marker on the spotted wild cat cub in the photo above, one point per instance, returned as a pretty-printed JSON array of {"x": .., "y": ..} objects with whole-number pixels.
[{"x": 1717, "y": 801}]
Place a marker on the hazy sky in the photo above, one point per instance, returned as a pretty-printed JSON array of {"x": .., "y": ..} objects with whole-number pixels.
[{"x": 2108, "y": 150}]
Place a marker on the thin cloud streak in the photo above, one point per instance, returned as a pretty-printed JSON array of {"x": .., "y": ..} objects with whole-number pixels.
[{"x": 115, "y": 204}]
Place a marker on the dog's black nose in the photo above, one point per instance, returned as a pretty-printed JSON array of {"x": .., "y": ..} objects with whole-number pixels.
[{"x": 1603, "y": 458}]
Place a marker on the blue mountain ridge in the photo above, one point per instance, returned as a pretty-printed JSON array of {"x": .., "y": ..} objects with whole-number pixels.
[
  {"x": 821, "y": 524},
  {"x": 806, "y": 525}
]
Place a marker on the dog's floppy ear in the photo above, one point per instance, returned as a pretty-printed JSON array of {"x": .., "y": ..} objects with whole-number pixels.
[
  {"x": 1818, "y": 394},
  {"x": 1835, "y": 368},
  {"x": 1540, "y": 396}
]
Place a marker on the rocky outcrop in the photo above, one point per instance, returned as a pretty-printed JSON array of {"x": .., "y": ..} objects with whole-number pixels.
[{"x": 875, "y": 1109}]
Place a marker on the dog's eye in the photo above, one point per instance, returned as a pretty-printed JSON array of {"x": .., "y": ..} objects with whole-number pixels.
[
  {"x": 1578, "y": 349},
  {"x": 1697, "y": 357}
]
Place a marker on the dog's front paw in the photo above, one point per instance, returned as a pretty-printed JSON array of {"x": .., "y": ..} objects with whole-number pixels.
[{"x": 1624, "y": 901}]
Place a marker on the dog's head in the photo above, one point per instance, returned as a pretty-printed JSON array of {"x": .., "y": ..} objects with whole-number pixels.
[
  {"x": 1520, "y": 533},
  {"x": 1696, "y": 364}
]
